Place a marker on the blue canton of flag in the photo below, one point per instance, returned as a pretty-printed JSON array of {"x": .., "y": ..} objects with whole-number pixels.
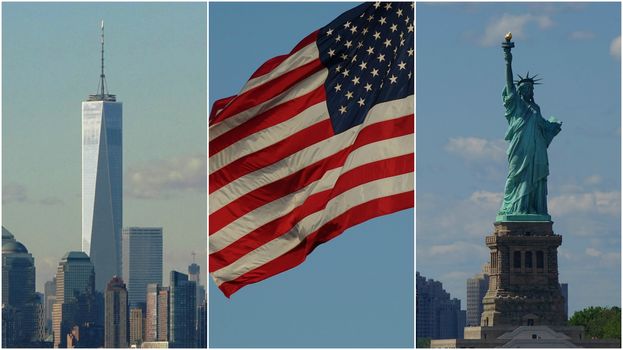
[{"x": 368, "y": 52}]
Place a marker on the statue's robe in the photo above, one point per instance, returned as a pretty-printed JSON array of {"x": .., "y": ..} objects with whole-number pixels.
[{"x": 528, "y": 135}]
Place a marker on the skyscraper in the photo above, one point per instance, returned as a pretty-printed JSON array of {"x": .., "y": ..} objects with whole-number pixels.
[
  {"x": 477, "y": 287},
  {"x": 564, "y": 288},
  {"x": 437, "y": 315},
  {"x": 75, "y": 297},
  {"x": 39, "y": 308},
  {"x": 182, "y": 311},
  {"x": 19, "y": 300},
  {"x": 157, "y": 313},
  {"x": 137, "y": 328},
  {"x": 102, "y": 181},
  {"x": 142, "y": 260},
  {"x": 116, "y": 315},
  {"x": 164, "y": 304},
  {"x": 202, "y": 325},
  {"x": 49, "y": 297},
  {"x": 194, "y": 272}
]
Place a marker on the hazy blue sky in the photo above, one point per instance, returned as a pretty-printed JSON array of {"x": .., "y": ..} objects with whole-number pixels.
[
  {"x": 156, "y": 65},
  {"x": 461, "y": 162},
  {"x": 355, "y": 291}
]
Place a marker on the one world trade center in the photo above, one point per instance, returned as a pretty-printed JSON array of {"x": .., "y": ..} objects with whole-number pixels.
[{"x": 102, "y": 181}]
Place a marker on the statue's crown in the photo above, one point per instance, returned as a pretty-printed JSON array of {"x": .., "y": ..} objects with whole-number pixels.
[{"x": 527, "y": 79}]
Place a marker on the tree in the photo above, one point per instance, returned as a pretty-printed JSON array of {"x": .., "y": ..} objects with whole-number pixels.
[
  {"x": 599, "y": 322},
  {"x": 422, "y": 343}
]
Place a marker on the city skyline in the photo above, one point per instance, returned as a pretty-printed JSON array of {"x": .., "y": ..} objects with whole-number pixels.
[{"x": 163, "y": 87}]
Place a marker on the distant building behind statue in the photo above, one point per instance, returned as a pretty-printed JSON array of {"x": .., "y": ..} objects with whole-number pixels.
[
  {"x": 564, "y": 287},
  {"x": 477, "y": 287},
  {"x": 437, "y": 315}
]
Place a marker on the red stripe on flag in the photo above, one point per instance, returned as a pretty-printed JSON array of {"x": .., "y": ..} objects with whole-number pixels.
[
  {"x": 376, "y": 132},
  {"x": 269, "y": 155},
  {"x": 218, "y": 105},
  {"x": 265, "y": 92},
  {"x": 333, "y": 228},
  {"x": 271, "y": 117},
  {"x": 266, "y": 233},
  {"x": 274, "y": 62}
]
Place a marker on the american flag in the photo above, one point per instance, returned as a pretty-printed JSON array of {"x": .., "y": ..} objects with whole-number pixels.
[{"x": 317, "y": 141}]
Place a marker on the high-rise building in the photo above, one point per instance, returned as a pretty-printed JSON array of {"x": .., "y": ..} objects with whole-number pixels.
[
  {"x": 39, "y": 319},
  {"x": 49, "y": 297},
  {"x": 194, "y": 274},
  {"x": 75, "y": 297},
  {"x": 182, "y": 311},
  {"x": 102, "y": 181},
  {"x": 151, "y": 312},
  {"x": 477, "y": 287},
  {"x": 116, "y": 315},
  {"x": 157, "y": 313},
  {"x": 564, "y": 288},
  {"x": 136, "y": 326},
  {"x": 202, "y": 323},
  {"x": 142, "y": 260},
  {"x": 8, "y": 326},
  {"x": 19, "y": 299},
  {"x": 164, "y": 305},
  {"x": 437, "y": 315}
]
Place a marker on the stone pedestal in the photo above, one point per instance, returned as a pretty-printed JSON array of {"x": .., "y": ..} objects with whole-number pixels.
[{"x": 523, "y": 283}]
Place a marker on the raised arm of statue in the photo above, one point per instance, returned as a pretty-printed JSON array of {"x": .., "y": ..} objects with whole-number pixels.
[{"x": 508, "y": 57}]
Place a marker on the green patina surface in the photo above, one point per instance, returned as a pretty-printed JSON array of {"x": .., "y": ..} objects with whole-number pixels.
[
  {"x": 523, "y": 218},
  {"x": 528, "y": 135}
]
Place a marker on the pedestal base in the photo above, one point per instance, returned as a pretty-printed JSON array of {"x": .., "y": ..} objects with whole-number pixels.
[
  {"x": 525, "y": 337},
  {"x": 523, "y": 218},
  {"x": 523, "y": 282}
]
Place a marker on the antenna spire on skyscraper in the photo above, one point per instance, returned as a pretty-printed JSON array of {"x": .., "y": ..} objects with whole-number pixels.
[
  {"x": 102, "y": 76},
  {"x": 102, "y": 90}
]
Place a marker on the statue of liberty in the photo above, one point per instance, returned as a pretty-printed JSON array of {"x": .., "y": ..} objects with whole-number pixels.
[{"x": 529, "y": 135}]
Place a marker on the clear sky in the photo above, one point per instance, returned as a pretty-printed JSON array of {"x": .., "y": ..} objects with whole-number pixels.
[
  {"x": 156, "y": 65},
  {"x": 354, "y": 291},
  {"x": 461, "y": 162}
]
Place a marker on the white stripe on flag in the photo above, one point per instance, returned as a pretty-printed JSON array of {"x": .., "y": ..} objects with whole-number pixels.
[
  {"x": 338, "y": 205},
  {"x": 298, "y": 59},
  {"x": 367, "y": 154},
  {"x": 269, "y": 136}
]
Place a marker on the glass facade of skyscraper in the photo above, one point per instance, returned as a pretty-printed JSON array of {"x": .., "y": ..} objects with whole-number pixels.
[
  {"x": 18, "y": 292},
  {"x": 142, "y": 260},
  {"x": 102, "y": 187},
  {"x": 74, "y": 296},
  {"x": 182, "y": 311},
  {"x": 116, "y": 314}
]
